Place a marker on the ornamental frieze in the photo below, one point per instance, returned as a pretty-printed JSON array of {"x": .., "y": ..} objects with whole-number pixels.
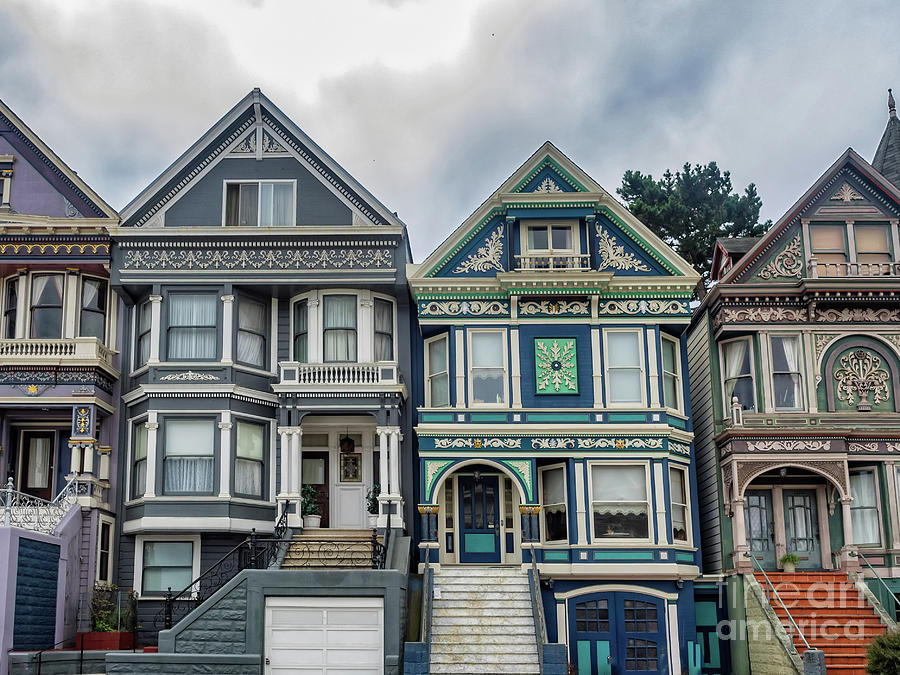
[
  {"x": 857, "y": 315},
  {"x": 477, "y": 443},
  {"x": 613, "y": 256},
  {"x": 834, "y": 470},
  {"x": 596, "y": 443},
  {"x": 488, "y": 257},
  {"x": 870, "y": 446},
  {"x": 790, "y": 446},
  {"x": 464, "y": 308},
  {"x": 760, "y": 315},
  {"x": 45, "y": 248},
  {"x": 266, "y": 259},
  {"x": 554, "y": 308},
  {"x": 652, "y": 307}
]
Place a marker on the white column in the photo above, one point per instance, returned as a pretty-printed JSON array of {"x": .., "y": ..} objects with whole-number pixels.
[
  {"x": 597, "y": 371},
  {"x": 516, "y": 371},
  {"x": 225, "y": 456},
  {"x": 88, "y": 451},
  {"x": 653, "y": 366},
  {"x": 460, "y": 367},
  {"x": 314, "y": 328},
  {"x": 75, "y": 463},
  {"x": 365, "y": 332},
  {"x": 739, "y": 534},
  {"x": 395, "y": 461},
  {"x": 155, "y": 306},
  {"x": 152, "y": 426},
  {"x": 847, "y": 515},
  {"x": 70, "y": 308},
  {"x": 580, "y": 504},
  {"x": 383, "y": 470},
  {"x": 21, "y": 298},
  {"x": 296, "y": 461},
  {"x": 662, "y": 534},
  {"x": 285, "y": 451},
  {"x": 227, "y": 328}
]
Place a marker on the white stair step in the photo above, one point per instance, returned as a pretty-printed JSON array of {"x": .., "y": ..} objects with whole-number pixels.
[
  {"x": 525, "y": 647},
  {"x": 466, "y": 571},
  {"x": 462, "y": 630},
  {"x": 487, "y": 668},
  {"x": 451, "y": 640},
  {"x": 472, "y": 620},
  {"x": 483, "y": 584},
  {"x": 476, "y": 602}
]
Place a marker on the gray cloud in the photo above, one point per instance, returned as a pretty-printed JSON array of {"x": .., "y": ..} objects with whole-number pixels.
[{"x": 773, "y": 91}]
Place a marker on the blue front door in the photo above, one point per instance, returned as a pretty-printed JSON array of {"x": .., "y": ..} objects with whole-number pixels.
[
  {"x": 479, "y": 516},
  {"x": 618, "y": 634}
]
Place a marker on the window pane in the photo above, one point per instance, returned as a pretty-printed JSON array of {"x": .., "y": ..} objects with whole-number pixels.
[
  {"x": 669, "y": 354},
  {"x": 46, "y": 303},
  {"x": 93, "y": 294},
  {"x": 144, "y": 318},
  {"x": 623, "y": 349},
  {"x": 552, "y": 483},
  {"x": 248, "y": 477},
  {"x": 252, "y": 315},
  {"x": 487, "y": 385},
  {"x": 562, "y": 238},
  {"x": 827, "y": 237},
  {"x": 188, "y": 474},
  {"x": 743, "y": 390},
  {"x": 625, "y": 385},
  {"x": 11, "y": 306},
  {"x": 487, "y": 349},
  {"x": 619, "y": 483},
  {"x": 249, "y": 205},
  {"x": 282, "y": 205},
  {"x": 140, "y": 441},
  {"x": 676, "y": 486},
  {"x": 189, "y": 437},
  {"x": 862, "y": 488},
  {"x": 621, "y": 520},
  {"x": 737, "y": 358},
  {"x": 556, "y": 528},
  {"x": 440, "y": 390},
  {"x": 301, "y": 323},
  {"x": 384, "y": 330},
  {"x": 340, "y": 311},
  {"x": 168, "y": 553},
  {"x": 872, "y": 238},
  {"x": 670, "y": 390},
  {"x": 437, "y": 356},
  {"x": 250, "y": 440},
  {"x": 192, "y": 309},
  {"x": 192, "y": 326},
  {"x": 537, "y": 238}
]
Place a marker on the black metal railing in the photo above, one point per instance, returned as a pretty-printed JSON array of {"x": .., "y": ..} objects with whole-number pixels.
[{"x": 364, "y": 553}]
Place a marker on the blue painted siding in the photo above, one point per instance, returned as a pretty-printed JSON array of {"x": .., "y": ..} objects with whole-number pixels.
[
  {"x": 36, "y": 581},
  {"x": 628, "y": 244},
  {"x": 582, "y": 334},
  {"x": 470, "y": 248}
]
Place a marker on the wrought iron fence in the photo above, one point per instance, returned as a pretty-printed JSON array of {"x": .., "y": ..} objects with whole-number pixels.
[{"x": 39, "y": 515}]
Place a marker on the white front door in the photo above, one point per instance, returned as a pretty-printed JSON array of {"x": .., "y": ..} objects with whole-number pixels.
[{"x": 324, "y": 636}]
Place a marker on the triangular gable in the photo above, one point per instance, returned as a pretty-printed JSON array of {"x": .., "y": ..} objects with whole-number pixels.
[
  {"x": 850, "y": 186},
  {"x": 620, "y": 243},
  {"x": 255, "y": 126},
  {"x": 80, "y": 199}
]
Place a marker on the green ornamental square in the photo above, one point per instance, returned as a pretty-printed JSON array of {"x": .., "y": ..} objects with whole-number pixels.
[{"x": 555, "y": 366}]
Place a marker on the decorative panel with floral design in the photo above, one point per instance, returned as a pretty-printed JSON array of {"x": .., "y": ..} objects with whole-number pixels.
[{"x": 555, "y": 366}]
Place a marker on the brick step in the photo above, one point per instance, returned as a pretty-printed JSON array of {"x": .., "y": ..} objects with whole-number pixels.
[
  {"x": 801, "y": 575},
  {"x": 817, "y": 615}
]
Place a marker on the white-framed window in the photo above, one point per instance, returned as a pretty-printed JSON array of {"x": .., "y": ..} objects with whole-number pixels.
[
  {"x": 787, "y": 356},
  {"x": 678, "y": 497},
  {"x": 143, "y": 323},
  {"x": 487, "y": 367},
  {"x": 105, "y": 543},
  {"x": 139, "y": 462},
  {"x": 384, "y": 330},
  {"x": 251, "y": 332},
  {"x": 550, "y": 238},
  {"x": 671, "y": 365},
  {"x": 249, "y": 464},
  {"x": 263, "y": 203},
  {"x": 189, "y": 456},
  {"x": 437, "y": 373},
  {"x": 301, "y": 331},
  {"x": 829, "y": 242},
  {"x": 864, "y": 508},
  {"x": 92, "y": 321},
  {"x": 554, "y": 519},
  {"x": 620, "y": 503},
  {"x": 192, "y": 331},
  {"x": 166, "y": 562},
  {"x": 10, "y": 307},
  {"x": 737, "y": 373},
  {"x": 339, "y": 320},
  {"x": 624, "y": 366},
  {"x": 47, "y": 305},
  {"x": 873, "y": 242},
  {"x": 865, "y": 245}
]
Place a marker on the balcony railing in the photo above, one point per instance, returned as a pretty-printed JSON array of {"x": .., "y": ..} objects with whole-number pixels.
[
  {"x": 326, "y": 375},
  {"x": 817, "y": 269},
  {"x": 28, "y": 512},
  {"x": 554, "y": 261},
  {"x": 40, "y": 351}
]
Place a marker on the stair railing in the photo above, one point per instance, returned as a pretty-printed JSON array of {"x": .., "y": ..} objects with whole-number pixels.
[
  {"x": 427, "y": 603},
  {"x": 893, "y": 597},
  {"x": 540, "y": 623},
  {"x": 769, "y": 584}
]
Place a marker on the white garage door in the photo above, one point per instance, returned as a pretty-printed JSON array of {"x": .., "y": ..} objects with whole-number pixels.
[{"x": 326, "y": 636}]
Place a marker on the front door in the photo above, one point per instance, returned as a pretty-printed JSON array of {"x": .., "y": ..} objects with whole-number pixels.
[
  {"x": 801, "y": 528},
  {"x": 760, "y": 527},
  {"x": 618, "y": 634},
  {"x": 38, "y": 464},
  {"x": 315, "y": 473},
  {"x": 479, "y": 517}
]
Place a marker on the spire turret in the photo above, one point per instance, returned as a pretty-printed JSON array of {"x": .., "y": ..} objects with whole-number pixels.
[{"x": 887, "y": 156}]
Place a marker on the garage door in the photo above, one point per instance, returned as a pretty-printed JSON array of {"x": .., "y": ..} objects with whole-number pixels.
[{"x": 325, "y": 636}]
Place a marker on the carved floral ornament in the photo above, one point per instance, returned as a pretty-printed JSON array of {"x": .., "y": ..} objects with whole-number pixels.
[
  {"x": 766, "y": 314},
  {"x": 489, "y": 255},
  {"x": 548, "y": 185},
  {"x": 857, "y": 315},
  {"x": 268, "y": 259},
  {"x": 464, "y": 307},
  {"x": 847, "y": 194},
  {"x": 748, "y": 471},
  {"x": 860, "y": 376},
  {"x": 787, "y": 264},
  {"x": 789, "y": 446},
  {"x": 654, "y": 307},
  {"x": 613, "y": 256},
  {"x": 555, "y": 365},
  {"x": 555, "y": 307}
]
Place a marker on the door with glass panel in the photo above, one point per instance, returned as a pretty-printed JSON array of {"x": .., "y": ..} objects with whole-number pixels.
[
  {"x": 801, "y": 528},
  {"x": 315, "y": 473},
  {"x": 760, "y": 526},
  {"x": 38, "y": 464},
  {"x": 479, "y": 518}
]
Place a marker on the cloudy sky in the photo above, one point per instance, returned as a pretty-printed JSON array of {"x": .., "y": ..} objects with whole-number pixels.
[{"x": 431, "y": 104}]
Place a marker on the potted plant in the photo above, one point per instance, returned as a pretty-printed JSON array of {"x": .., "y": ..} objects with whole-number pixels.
[
  {"x": 372, "y": 504},
  {"x": 112, "y": 620},
  {"x": 309, "y": 506},
  {"x": 789, "y": 562}
]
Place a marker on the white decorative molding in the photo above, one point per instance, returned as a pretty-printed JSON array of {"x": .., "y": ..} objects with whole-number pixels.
[
  {"x": 555, "y": 307},
  {"x": 893, "y": 338},
  {"x": 246, "y": 146},
  {"x": 761, "y": 314},
  {"x": 680, "y": 448},
  {"x": 489, "y": 255},
  {"x": 893, "y": 446},
  {"x": 523, "y": 468},
  {"x": 460, "y": 307},
  {"x": 71, "y": 211},
  {"x": 190, "y": 376},
  {"x": 861, "y": 375},
  {"x": 503, "y": 443},
  {"x": 822, "y": 341},
  {"x": 548, "y": 185},
  {"x": 643, "y": 307},
  {"x": 845, "y": 193},
  {"x": 788, "y": 263},
  {"x": 863, "y": 447},
  {"x": 857, "y": 314},
  {"x": 789, "y": 445},
  {"x": 614, "y": 256},
  {"x": 596, "y": 443},
  {"x": 270, "y": 145},
  {"x": 266, "y": 259}
]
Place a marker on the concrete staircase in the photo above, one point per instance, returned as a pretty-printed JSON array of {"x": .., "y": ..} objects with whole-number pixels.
[
  {"x": 832, "y": 613},
  {"x": 324, "y": 547},
  {"x": 482, "y": 622}
]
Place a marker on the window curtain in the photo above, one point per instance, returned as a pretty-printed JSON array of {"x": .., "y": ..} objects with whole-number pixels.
[
  {"x": 619, "y": 483},
  {"x": 143, "y": 334},
  {"x": 791, "y": 347},
  {"x": 301, "y": 332},
  {"x": 864, "y": 511},
  {"x": 46, "y": 303},
  {"x": 554, "y": 502},
  {"x": 93, "y": 309},
  {"x": 11, "y": 308},
  {"x": 251, "y": 341},
  {"x": 339, "y": 322},
  {"x": 38, "y": 462},
  {"x": 438, "y": 376},
  {"x": 249, "y": 462},
  {"x": 189, "y": 461},
  {"x": 192, "y": 326},
  {"x": 249, "y": 204},
  {"x": 282, "y": 196},
  {"x": 487, "y": 367},
  {"x": 384, "y": 331},
  {"x": 167, "y": 564},
  {"x": 139, "y": 480},
  {"x": 735, "y": 353}
]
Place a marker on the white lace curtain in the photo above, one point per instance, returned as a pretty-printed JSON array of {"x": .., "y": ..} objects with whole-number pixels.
[
  {"x": 192, "y": 326},
  {"x": 864, "y": 510},
  {"x": 38, "y": 462},
  {"x": 249, "y": 463},
  {"x": 384, "y": 331},
  {"x": 789, "y": 394},
  {"x": 189, "y": 461},
  {"x": 276, "y": 200},
  {"x": 46, "y": 305},
  {"x": 735, "y": 353},
  {"x": 251, "y": 341},
  {"x": 619, "y": 483},
  {"x": 339, "y": 322}
]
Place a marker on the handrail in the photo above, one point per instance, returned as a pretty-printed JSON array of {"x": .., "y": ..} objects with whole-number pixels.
[
  {"x": 427, "y": 601},
  {"x": 540, "y": 632},
  {"x": 778, "y": 597},
  {"x": 39, "y": 515},
  {"x": 877, "y": 576}
]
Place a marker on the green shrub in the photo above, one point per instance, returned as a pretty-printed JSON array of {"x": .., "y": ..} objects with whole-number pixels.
[
  {"x": 110, "y": 612},
  {"x": 884, "y": 655}
]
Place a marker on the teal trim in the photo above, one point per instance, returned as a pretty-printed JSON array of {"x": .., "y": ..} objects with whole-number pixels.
[
  {"x": 695, "y": 660},
  {"x": 437, "y": 417},
  {"x": 623, "y": 555},
  {"x": 684, "y": 557},
  {"x": 556, "y": 417},
  {"x": 604, "y": 667},
  {"x": 584, "y": 657},
  {"x": 627, "y": 417},
  {"x": 556, "y": 555},
  {"x": 488, "y": 417},
  {"x": 480, "y": 543},
  {"x": 677, "y": 423}
]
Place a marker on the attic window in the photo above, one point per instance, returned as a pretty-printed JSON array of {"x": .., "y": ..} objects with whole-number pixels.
[{"x": 260, "y": 203}]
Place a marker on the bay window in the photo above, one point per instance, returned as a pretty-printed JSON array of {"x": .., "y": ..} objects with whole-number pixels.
[
  {"x": 786, "y": 372},
  {"x": 47, "y": 305},
  {"x": 619, "y": 503},
  {"x": 10, "y": 308},
  {"x": 165, "y": 565},
  {"x": 671, "y": 363},
  {"x": 189, "y": 462},
  {"x": 249, "y": 462},
  {"x": 251, "y": 333},
  {"x": 553, "y": 504},
  {"x": 737, "y": 366},
  {"x": 259, "y": 203},
  {"x": 625, "y": 382},
  {"x": 139, "y": 465},
  {"x": 384, "y": 330},
  {"x": 192, "y": 328},
  {"x": 339, "y": 327},
  {"x": 437, "y": 376},
  {"x": 93, "y": 309},
  {"x": 487, "y": 369},
  {"x": 301, "y": 331},
  {"x": 678, "y": 497},
  {"x": 143, "y": 333},
  {"x": 864, "y": 508}
]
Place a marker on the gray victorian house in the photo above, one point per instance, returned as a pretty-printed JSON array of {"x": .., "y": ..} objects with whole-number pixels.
[{"x": 266, "y": 356}]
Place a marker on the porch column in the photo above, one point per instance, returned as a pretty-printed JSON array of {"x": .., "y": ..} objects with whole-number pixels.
[
  {"x": 389, "y": 466},
  {"x": 739, "y": 536},
  {"x": 227, "y": 327},
  {"x": 225, "y": 454},
  {"x": 383, "y": 471},
  {"x": 848, "y": 561},
  {"x": 155, "y": 308},
  {"x": 291, "y": 477},
  {"x": 152, "y": 425},
  {"x": 296, "y": 461},
  {"x": 395, "y": 461},
  {"x": 285, "y": 453}
]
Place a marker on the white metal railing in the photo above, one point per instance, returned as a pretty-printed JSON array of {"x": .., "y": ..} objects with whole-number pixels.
[
  {"x": 553, "y": 261},
  {"x": 28, "y": 512},
  {"x": 321, "y": 374},
  {"x": 38, "y": 349},
  {"x": 817, "y": 269}
]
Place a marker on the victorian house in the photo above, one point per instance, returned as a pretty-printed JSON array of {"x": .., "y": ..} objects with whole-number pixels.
[
  {"x": 266, "y": 355},
  {"x": 553, "y": 426},
  {"x": 59, "y": 368},
  {"x": 794, "y": 361}
]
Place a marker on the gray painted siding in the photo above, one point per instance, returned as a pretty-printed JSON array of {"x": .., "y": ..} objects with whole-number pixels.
[
  {"x": 37, "y": 576},
  {"x": 202, "y": 204},
  {"x": 708, "y": 482}
]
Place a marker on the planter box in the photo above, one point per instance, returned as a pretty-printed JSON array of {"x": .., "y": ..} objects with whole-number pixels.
[{"x": 104, "y": 641}]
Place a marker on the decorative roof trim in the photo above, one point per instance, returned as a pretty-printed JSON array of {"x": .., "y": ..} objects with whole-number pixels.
[{"x": 553, "y": 164}]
